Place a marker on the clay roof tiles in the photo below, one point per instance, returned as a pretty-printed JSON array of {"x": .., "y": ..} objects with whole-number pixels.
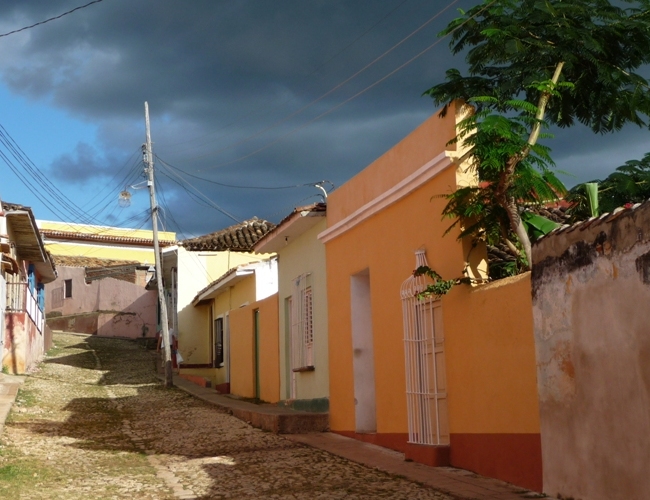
[
  {"x": 104, "y": 238},
  {"x": 90, "y": 262},
  {"x": 239, "y": 237},
  {"x": 595, "y": 221}
]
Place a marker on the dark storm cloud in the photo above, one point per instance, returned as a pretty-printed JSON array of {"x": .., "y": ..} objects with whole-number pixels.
[
  {"x": 221, "y": 79},
  {"x": 82, "y": 164}
]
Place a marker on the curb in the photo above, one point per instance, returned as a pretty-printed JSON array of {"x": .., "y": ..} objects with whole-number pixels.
[{"x": 9, "y": 385}]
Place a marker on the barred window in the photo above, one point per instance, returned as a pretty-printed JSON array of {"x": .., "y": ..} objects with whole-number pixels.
[{"x": 302, "y": 324}]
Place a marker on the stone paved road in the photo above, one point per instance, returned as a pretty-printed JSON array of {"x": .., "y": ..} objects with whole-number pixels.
[{"x": 94, "y": 423}]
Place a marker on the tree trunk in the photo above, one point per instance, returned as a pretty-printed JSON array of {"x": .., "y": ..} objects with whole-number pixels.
[{"x": 509, "y": 203}]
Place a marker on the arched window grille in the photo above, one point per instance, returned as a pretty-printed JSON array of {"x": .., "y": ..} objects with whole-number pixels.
[{"x": 426, "y": 386}]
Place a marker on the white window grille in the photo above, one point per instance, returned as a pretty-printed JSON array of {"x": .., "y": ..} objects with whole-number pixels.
[
  {"x": 426, "y": 395},
  {"x": 302, "y": 324}
]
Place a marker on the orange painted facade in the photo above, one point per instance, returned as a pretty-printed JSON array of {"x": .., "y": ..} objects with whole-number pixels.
[
  {"x": 255, "y": 369},
  {"x": 376, "y": 222}
]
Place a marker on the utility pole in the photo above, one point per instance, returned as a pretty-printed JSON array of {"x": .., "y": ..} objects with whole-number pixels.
[{"x": 147, "y": 157}]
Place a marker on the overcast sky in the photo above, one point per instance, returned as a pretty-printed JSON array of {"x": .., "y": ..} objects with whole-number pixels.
[{"x": 242, "y": 92}]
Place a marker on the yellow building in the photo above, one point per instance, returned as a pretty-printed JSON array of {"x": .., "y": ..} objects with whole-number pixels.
[
  {"x": 192, "y": 266},
  {"x": 448, "y": 381},
  {"x": 302, "y": 308},
  {"x": 239, "y": 354},
  {"x": 102, "y": 242}
]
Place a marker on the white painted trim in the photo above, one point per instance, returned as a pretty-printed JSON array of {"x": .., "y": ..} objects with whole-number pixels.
[{"x": 403, "y": 188}]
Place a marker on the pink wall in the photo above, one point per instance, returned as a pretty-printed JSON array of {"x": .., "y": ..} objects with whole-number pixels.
[
  {"x": 106, "y": 307},
  {"x": 24, "y": 344}
]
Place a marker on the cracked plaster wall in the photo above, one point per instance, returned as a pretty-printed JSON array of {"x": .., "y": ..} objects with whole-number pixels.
[{"x": 591, "y": 311}]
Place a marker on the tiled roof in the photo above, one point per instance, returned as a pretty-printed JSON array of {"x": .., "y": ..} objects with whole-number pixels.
[
  {"x": 314, "y": 207},
  {"x": 595, "y": 221},
  {"x": 89, "y": 262},
  {"x": 13, "y": 206},
  {"x": 240, "y": 237},
  {"x": 287, "y": 229},
  {"x": 104, "y": 238},
  {"x": 124, "y": 270}
]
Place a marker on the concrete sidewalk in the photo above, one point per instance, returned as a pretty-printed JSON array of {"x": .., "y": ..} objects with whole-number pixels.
[
  {"x": 9, "y": 385},
  {"x": 459, "y": 483},
  {"x": 277, "y": 419}
]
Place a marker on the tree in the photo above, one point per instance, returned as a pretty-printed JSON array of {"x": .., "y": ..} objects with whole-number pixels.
[
  {"x": 628, "y": 184},
  {"x": 533, "y": 62}
]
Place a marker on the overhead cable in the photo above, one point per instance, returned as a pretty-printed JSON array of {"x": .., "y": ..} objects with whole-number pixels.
[
  {"x": 313, "y": 72},
  {"x": 198, "y": 192},
  {"x": 51, "y": 18},
  {"x": 333, "y": 89},
  {"x": 292, "y": 186},
  {"x": 334, "y": 108}
]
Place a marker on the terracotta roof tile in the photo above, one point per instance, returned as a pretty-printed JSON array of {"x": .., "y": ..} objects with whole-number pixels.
[
  {"x": 90, "y": 262},
  {"x": 105, "y": 238},
  {"x": 595, "y": 221},
  {"x": 13, "y": 206},
  {"x": 240, "y": 237}
]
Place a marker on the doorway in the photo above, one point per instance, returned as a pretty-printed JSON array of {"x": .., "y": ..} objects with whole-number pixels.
[{"x": 363, "y": 353}]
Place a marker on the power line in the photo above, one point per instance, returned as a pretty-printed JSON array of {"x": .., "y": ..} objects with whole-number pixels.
[
  {"x": 313, "y": 72},
  {"x": 242, "y": 187},
  {"x": 168, "y": 210},
  {"x": 44, "y": 182},
  {"x": 334, "y": 108},
  {"x": 333, "y": 89},
  {"x": 210, "y": 203},
  {"x": 51, "y": 18}
]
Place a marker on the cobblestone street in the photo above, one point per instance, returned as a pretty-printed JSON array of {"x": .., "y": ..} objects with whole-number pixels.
[{"x": 93, "y": 422}]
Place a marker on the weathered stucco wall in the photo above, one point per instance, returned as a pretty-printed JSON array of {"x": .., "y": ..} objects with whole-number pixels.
[
  {"x": 24, "y": 344},
  {"x": 591, "y": 290},
  {"x": 106, "y": 307}
]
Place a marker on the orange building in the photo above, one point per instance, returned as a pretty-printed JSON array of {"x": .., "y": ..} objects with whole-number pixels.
[{"x": 448, "y": 381}]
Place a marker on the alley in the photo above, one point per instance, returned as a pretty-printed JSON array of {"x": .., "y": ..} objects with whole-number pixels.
[{"x": 93, "y": 422}]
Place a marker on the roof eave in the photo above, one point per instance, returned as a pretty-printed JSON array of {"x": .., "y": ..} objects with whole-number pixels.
[
  {"x": 220, "y": 286},
  {"x": 29, "y": 245},
  {"x": 297, "y": 224}
]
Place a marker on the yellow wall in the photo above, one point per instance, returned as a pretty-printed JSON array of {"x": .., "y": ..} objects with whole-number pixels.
[
  {"x": 71, "y": 227},
  {"x": 488, "y": 338},
  {"x": 385, "y": 244},
  {"x": 306, "y": 254},
  {"x": 242, "y": 350},
  {"x": 490, "y": 349},
  {"x": 242, "y": 353},
  {"x": 196, "y": 271},
  {"x": 100, "y": 249},
  {"x": 488, "y": 329}
]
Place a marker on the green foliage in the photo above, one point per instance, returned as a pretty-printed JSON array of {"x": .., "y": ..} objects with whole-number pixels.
[
  {"x": 493, "y": 139},
  {"x": 629, "y": 183},
  {"x": 504, "y": 269},
  {"x": 537, "y": 226},
  {"x": 439, "y": 287},
  {"x": 512, "y": 45},
  {"x": 533, "y": 62}
]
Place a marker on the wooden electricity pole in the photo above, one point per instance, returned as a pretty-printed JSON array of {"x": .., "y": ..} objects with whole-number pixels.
[{"x": 147, "y": 157}]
